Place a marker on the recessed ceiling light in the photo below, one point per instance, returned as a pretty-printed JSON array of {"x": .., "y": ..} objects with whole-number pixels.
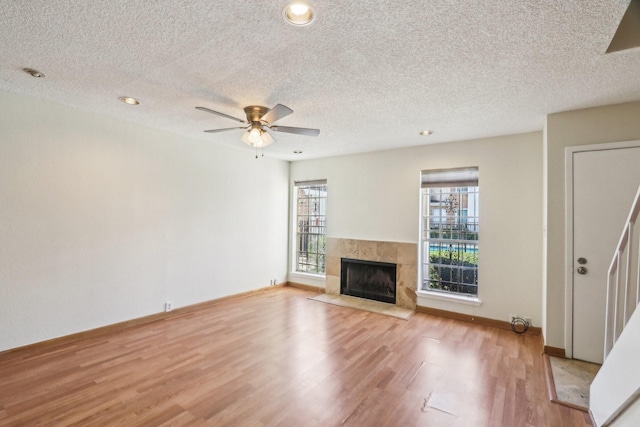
[
  {"x": 32, "y": 72},
  {"x": 426, "y": 132},
  {"x": 297, "y": 152},
  {"x": 299, "y": 13},
  {"x": 129, "y": 100}
]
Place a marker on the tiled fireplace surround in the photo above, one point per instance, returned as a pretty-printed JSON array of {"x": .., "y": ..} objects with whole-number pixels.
[{"x": 404, "y": 255}]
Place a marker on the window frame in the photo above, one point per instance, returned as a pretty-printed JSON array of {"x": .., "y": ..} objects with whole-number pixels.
[
  {"x": 453, "y": 181},
  {"x": 316, "y": 234}
]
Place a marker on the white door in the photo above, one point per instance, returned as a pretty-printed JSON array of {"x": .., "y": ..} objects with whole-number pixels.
[{"x": 604, "y": 185}]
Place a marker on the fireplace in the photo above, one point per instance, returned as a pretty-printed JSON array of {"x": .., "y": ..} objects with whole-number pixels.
[{"x": 368, "y": 279}]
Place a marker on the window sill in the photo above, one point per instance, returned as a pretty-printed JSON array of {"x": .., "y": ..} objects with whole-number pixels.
[
  {"x": 459, "y": 299},
  {"x": 310, "y": 275},
  {"x": 310, "y": 279}
]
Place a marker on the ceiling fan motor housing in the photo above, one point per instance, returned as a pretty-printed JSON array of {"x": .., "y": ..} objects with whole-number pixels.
[{"x": 255, "y": 112}]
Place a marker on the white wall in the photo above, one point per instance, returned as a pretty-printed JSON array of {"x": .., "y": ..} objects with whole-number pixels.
[
  {"x": 375, "y": 196},
  {"x": 611, "y": 123},
  {"x": 103, "y": 220}
]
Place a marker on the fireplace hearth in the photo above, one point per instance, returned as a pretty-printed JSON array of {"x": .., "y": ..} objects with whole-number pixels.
[{"x": 368, "y": 279}]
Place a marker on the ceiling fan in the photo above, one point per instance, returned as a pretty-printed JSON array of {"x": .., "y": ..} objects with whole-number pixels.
[{"x": 259, "y": 123}]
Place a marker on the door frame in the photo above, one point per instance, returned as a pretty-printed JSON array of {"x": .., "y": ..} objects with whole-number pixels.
[{"x": 568, "y": 242}]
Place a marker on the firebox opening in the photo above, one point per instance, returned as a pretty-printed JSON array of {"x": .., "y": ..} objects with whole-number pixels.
[{"x": 368, "y": 279}]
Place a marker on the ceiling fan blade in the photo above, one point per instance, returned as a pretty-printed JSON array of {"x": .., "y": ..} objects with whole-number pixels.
[
  {"x": 297, "y": 131},
  {"x": 222, "y": 130},
  {"x": 220, "y": 114},
  {"x": 276, "y": 113}
]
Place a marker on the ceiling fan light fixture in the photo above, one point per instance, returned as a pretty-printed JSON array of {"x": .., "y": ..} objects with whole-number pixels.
[
  {"x": 258, "y": 125},
  {"x": 299, "y": 13},
  {"x": 255, "y": 134},
  {"x": 261, "y": 140}
]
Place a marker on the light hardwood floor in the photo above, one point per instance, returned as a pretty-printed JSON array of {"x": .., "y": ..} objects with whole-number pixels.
[{"x": 278, "y": 359}]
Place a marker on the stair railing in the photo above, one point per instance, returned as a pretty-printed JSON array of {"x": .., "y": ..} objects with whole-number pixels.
[{"x": 623, "y": 280}]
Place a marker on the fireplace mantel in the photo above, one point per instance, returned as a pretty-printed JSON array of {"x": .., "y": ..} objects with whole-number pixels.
[{"x": 405, "y": 255}]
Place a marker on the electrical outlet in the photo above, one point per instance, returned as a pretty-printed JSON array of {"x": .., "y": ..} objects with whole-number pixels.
[
  {"x": 168, "y": 306},
  {"x": 528, "y": 320}
]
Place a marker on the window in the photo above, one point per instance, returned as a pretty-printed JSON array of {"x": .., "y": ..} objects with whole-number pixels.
[
  {"x": 449, "y": 231},
  {"x": 311, "y": 226}
]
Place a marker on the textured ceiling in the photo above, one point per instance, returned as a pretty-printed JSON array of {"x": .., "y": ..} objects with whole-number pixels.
[{"x": 369, "y": 74}]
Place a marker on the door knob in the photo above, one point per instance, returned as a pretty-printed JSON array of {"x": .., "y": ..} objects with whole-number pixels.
[{"x": 582, "y": 270}]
